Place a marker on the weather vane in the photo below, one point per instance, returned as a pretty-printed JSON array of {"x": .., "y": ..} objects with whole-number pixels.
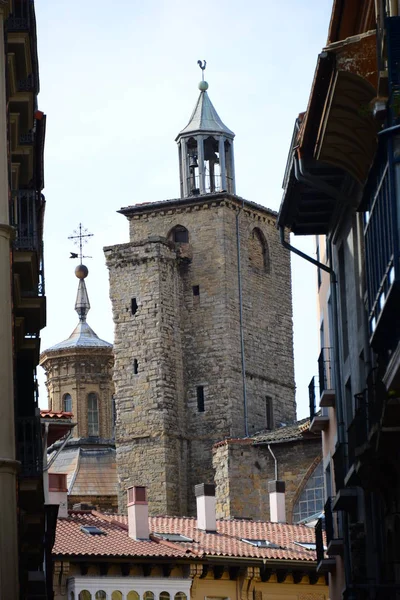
[
  {"x": 202, "y": 66},
  {"x": 80, "y": 238}
]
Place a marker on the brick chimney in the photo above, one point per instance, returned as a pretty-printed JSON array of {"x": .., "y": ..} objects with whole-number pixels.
[
  {"x": 58, "y": 492},
  {"x": 205, "y": 500},
  {"x": 277, "y": 507},
  {"x": 138, "y": 513}
]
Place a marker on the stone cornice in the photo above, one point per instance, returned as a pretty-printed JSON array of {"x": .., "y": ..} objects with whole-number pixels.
[{"x": 195, "y": 203}]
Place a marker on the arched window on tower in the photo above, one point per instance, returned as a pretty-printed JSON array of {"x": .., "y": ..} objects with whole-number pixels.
[
  {"x": 258, "y": 251},
  {"x": 179, "y": 234},
  {"x": 67, "y": 403},
  {"x": 93, "y": 415}
]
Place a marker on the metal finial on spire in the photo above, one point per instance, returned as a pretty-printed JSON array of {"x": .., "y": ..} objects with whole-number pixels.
[
  {"x": 80, "y": 237},
  {"x": 203, "y": 85},
  {"x": 82, "y": 304}
]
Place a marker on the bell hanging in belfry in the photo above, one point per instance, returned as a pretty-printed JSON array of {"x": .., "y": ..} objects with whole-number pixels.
[{"x": 193, "y": 161}]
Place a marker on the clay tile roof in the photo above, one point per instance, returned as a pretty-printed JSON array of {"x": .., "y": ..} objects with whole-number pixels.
[
  {"x": 295, "y": 431},
  {"x": 286, "y": 433},
  {"x": 50, "y": 414},
  {"x": 72, "y": 541},
  {"x": 227, "y": 541}
]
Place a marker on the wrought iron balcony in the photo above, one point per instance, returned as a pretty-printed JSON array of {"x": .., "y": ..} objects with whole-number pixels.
[
  {"x": 29, "y": 446},
  {"x": 27, "y": 139},
  {"x": 333, "y": 542},
  {"x": 357, "y": 432},
  {"x": 340, "y": 465},
  {"x": 324, "y": 563},
  {"x": 326, "y": 378},
  {"x": 21, "y": 17},
  {"x": 26, "y": 217},
  {"x": 318, "y": 421}
]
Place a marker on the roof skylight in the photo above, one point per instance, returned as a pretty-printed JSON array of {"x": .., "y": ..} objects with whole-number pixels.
[
  {"x": 92, "y": 530},
  {"x": 173, "y": 537},
  {"x": 262, "y": 543},
  {"x": 307, "y": 545}
]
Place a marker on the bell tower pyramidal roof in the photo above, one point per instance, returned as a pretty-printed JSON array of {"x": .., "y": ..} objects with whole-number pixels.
[{"x": 206, "y": 160}]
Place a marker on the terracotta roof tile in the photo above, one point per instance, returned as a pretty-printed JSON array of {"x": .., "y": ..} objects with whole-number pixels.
[
  {"x": 227, "y": 541},
  {"x": 55, "y": 415}
]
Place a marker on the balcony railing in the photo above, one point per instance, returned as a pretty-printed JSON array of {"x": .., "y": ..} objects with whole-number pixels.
[
  {"x": 340, "y": 465},
  {"x": 26, "y": 217},
  {"x": 21, "y": 17},
  {"x": 325, "y": 370},
  {"x": 29, "y": 446},
  {"x": 330, "y": 534},
  {"x": 311, "y": 397},
  {"x": 357, "y": 432},
  {"x": 319, "y": 541}
]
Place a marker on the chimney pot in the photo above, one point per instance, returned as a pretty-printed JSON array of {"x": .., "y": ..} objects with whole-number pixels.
[
  {"x": 205, "y": 500},
  {"x": 138, "y": 513},
  {"x": 277, "y": 506}
]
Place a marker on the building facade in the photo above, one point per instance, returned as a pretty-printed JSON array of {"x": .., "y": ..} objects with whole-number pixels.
[
  {"x": 114, "y": 557},
  {"x": 25, "y": 524},
  {"x": 201, "y": 301},
  {"x": 291, "y": 454},
  {"x": 342, "y": 183}
]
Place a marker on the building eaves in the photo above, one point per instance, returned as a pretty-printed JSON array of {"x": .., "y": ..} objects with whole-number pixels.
[{"x": 148, "y": 207}]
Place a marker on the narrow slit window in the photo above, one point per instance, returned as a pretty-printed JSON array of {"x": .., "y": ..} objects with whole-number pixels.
[
  {"x": 135, "y": 366},
  {"x": 134, "y": 306},
  {"x": 269, "y": 418},
  {"x": 196, "y": 290},
  {"x": 200, "y": 398}
]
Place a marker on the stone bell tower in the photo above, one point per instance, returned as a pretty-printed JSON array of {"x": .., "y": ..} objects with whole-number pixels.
[{"x": 201, "y": 300}]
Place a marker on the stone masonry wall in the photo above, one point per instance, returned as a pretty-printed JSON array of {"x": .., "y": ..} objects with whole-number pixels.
[
  {"x": 185, "y": 336},
  {"x": 148, "y": 373},
  {"x": 242, "y": 472}
]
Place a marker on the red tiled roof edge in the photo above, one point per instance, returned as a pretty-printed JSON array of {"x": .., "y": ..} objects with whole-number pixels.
[
  {"x": 55, "y": 415},
  {"x": 233, "y": 441}
]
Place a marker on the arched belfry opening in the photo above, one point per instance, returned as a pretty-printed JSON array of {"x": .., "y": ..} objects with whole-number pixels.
[{"x": 205, "y": 146}]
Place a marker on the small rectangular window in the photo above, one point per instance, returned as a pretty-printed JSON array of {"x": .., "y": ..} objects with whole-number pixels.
[
  {"x": 135, "y": 366},
  {"x": 196, "y": 290},
  {"x": 269, "y": 419},
  {"x": 200, "y": 398},
  {"x": 134, "y": 306}
]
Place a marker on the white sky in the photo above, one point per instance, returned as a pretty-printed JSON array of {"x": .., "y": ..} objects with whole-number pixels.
[{"x": 119, "y": 81}]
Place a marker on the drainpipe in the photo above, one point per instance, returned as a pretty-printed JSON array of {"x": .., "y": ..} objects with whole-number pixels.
[
  {"x": 246, "y": 427},
  {"x": 275, "y": 460}
]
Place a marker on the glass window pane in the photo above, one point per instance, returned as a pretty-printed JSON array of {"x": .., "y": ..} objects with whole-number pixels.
[
  {"x": 148, "y": 596},
  {"x": 132, "y": 596},
  {"x": 311, "y": 500},
  {"x": 116, "y": 595},
  {"x": 100, "y": 595},
  {"x": 93, "y": 415},
  {"x": 164, "y": 596},
  {"x": 85, "y": 595},
  {"x": 180, "y": 596},
  {"x": 67, "y": 403}
]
